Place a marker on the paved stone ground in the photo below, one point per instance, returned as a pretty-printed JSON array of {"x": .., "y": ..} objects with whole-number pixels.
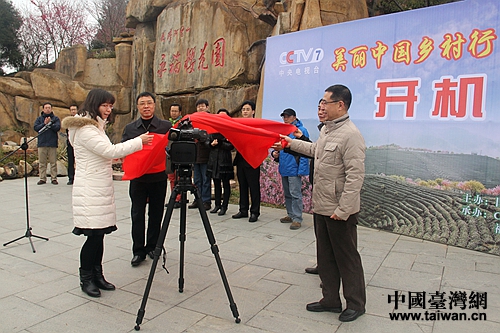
[{"x": 264, "y": 263}]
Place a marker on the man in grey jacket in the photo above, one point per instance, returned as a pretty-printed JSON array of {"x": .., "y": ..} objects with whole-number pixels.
[{"x": 339, "y": 170}]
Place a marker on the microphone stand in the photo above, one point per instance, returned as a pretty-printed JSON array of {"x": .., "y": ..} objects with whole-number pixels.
[{"x": 24, "y": 146}]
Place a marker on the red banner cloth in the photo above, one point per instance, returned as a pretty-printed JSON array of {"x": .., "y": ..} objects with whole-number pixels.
[
  {"x": 150, "y": 159},
  {"x": 252, "y": 137}
]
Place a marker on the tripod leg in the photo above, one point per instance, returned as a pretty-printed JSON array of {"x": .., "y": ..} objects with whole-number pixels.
[
  {"x": 182, "y": 239},
  {"x": 215, "y": 251},
  {"x": 157, "y": 252}
]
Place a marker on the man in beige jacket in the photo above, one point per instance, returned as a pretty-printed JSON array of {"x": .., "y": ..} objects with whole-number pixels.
[{"x": 339, "y": 170}]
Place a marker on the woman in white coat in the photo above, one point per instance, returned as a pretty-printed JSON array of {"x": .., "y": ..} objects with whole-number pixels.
[{"x": 94, "y": 212}]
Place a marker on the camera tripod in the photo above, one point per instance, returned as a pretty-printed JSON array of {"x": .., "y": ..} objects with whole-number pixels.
[
  {"x": 28, "y": 234},
  {"x": 182, "y": 185}
]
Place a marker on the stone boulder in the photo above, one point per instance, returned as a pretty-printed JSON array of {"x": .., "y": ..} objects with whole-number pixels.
[
  {"x": 57, "y": 88},
  {"x": 71, "y": 61},
  {"x": 16, "y": 86},
  {"x": 190, "y": 57}
]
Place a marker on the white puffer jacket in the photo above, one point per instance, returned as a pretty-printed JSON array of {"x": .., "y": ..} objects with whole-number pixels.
[{"x": 93, "y": 192}]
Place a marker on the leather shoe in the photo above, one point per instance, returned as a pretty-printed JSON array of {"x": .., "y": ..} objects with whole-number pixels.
[
  {"x": 41, "y": 182},
  {"x": 317, "y": 307},
  {"x": 215, "y": 210},
  {"x": 193, "y": 205},
  {"x": 151, "y": 254},
  {"x": 137, "y": 259},
  {"x": 177, "y": 204},
  {"x": 350, "y": 315},
  {"x": 222, "y": 211},
  {"x": 207, "y": 205},
  {"x": 312, "y": 270},
  {"x": 239, "y": 215},
  {"x": 253, "y": 218}
]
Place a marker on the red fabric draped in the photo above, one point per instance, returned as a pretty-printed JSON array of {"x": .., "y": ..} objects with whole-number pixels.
[
  {"x": 252, "y": 137},
  {"x": 150, "y": 159}
]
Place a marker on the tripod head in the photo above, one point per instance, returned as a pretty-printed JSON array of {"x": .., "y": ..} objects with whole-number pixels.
[{"x": 181, "y": 150}]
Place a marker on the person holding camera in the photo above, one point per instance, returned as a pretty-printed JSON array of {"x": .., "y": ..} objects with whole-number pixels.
[
  {"x": 149, "y": 189},
  {"x": 220, "y": 169},
  {"x": 94, "y": 211},
  {"x": 47, "y": 143}
]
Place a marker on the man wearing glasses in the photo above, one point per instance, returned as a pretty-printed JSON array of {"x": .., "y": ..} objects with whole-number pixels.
[
  {"x": 148, "y": 189},
  {"x": 338, "y": 176}
]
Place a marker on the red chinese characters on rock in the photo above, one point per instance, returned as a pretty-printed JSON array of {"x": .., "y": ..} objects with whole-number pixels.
[
  {"x": 479, "y": 45},
  {"x": 218, "y": 54},
  {"x": 174, "y": 34}
]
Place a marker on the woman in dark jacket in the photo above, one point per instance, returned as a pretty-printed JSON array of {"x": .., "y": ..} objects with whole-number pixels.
[{"x": 220, "y": 168}]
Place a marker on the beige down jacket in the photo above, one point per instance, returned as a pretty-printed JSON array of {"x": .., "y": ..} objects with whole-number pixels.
[
  {"x": 93, "y": 192},
  {"x": 339, "y": 167}
]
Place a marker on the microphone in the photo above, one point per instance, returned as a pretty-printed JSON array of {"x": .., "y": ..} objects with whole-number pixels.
[{"x": 46, "y": 127}]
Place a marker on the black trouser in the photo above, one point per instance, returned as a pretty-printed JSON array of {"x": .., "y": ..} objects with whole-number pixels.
[
  {"x": 218, "y": 185},
  {"x": 71, "y": 162},
  {"x": 339, "y": 261},
  {"x": 142, "y": 194},
  {"x": 92, "y": 252},
  {"x": 249, "y": 179}
]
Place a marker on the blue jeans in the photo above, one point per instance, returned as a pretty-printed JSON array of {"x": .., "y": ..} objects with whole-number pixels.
[
  {"x": 292, "y": 186},
  {"x": 202, "y": 182}
]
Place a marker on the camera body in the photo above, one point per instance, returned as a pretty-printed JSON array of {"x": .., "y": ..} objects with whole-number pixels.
[{"x": 181, "y": 150}]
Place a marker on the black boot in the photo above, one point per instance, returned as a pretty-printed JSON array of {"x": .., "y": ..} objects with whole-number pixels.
[
  {"x": 222, "y": 211},
  {"x": 99, "y": 279},
  {"x": 87, "y": 283}
]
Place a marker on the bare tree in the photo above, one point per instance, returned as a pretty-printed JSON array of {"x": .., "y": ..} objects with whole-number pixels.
[
  {"x": 51, "y": 27},
  {"x": 110, "y": 17}
]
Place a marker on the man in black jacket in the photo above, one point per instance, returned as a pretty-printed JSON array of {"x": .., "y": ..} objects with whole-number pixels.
[
  {"x": 148, "y": 189},
  {"x": 47, "y": 125},
  {"x": 248, "y": 177}
]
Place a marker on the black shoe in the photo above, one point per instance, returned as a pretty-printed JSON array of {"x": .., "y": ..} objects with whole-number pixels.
[
  {"x": 177, "y": 204},
  {"x": 253, "y": 218},
  {"x": 215, "y": 210},
  {"x": 222, "y": 211},
  {"x": 207, "y": 205},
  {"x": 137, "y": 259},
  {"x": 350, "y": 315},
  {"x": 312, "y": 270},
  {"x": 239, "y": 215},
  {"x": 69, "y": 182},
  {"x": 317, "y": 307},
  {"x": 193, "y": 205},
  {"x": 151, "y": 254}
]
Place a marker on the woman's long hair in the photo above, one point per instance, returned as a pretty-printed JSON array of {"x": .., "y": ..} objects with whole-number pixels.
[{"x": 94, "y": 99}]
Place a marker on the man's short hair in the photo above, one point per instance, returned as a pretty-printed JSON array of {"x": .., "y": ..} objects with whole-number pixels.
[
  {"x": 176, "y": 104},
  {"x": 201, "y": 101},
  {"x": 46, "y": 103},
  {"x": 342, "y": 93},
  {"x": 252, "y": 104},
  {"x": 143, "y": 94}
]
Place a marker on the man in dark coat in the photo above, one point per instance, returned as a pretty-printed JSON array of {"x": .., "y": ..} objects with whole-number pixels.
[
  {"x": 148, "y": 189},
  {"x": 47, "y": 125}
]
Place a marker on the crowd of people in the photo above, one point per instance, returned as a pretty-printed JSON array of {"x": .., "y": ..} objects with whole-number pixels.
[{"x": 336, "y": 160}]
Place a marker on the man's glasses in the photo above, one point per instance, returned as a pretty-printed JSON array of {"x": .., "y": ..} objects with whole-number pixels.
[
  {"x": 148, "y": 103},
  {"x": 324, "y": 102}
]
